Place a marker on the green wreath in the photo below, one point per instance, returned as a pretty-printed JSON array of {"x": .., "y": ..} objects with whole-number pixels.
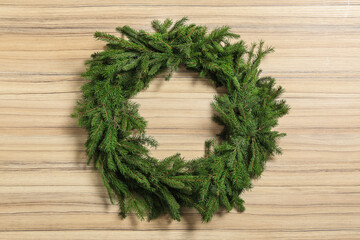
[{"x": 117, "y": 142}]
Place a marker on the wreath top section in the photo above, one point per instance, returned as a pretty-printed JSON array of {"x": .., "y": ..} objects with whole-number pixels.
[{"x": 133, "y": 62}]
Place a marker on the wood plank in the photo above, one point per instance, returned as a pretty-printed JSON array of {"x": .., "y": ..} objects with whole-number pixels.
[{"x": 312, "y": 191}]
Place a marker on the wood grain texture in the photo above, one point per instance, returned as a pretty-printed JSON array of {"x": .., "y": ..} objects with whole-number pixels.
[{"x": 312, "y": 191}]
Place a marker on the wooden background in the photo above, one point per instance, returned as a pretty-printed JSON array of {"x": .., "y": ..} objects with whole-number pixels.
[{"x": 311, "y": 192}]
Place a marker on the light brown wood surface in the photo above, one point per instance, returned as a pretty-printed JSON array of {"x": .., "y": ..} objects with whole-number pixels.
[{"x": 312, "y": 191}]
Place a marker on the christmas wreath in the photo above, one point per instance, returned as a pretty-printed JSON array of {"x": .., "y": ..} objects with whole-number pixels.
[{"x": 117, "y": 142}]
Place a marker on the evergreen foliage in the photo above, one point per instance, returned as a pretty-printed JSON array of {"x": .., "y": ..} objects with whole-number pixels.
[{"x": 119, "y": 147}]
